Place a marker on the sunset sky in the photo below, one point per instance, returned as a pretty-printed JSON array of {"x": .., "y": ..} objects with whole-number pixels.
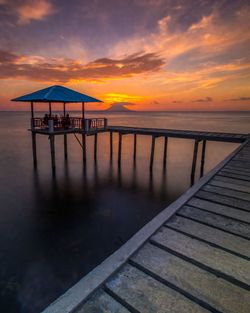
[{"x": 155, "y": 54}]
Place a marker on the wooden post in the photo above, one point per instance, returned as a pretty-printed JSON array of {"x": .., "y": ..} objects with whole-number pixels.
[
  {"x": 52, "y": 151},
  {"x": 32, "y": 109},
  {"x": 50, "y": 109},
  {"x": 33, "y": 135},
  {"x": 196, "y": 143},
  {"x": 84, "y": 148},
  {"x": 152, "y": 152},
  {"x": 83, "y": 110},
  {"x": 111, "y": 145},
  {"x": 135, "y": 142},
  {"x": 120, "y": 149},
  {"x": 65, "y": 147},
  {"x": 203, "y": 153},
  {"x": 95, "y": 148},
  {"x": 165, "y": 152},
  {"x": 64, "y": 110},
  {"x": 32, "y": 115}
]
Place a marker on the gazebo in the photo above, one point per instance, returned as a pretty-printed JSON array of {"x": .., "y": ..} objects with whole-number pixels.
[{"x": 54, "y": 125}]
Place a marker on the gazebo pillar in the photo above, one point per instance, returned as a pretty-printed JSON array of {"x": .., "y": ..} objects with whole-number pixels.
[{"x": 50, "y": 109}]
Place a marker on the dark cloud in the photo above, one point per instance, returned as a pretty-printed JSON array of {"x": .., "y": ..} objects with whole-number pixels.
[
  {"x": 63, "y": 70},
  {"x": 177, "y": 101},
  {"x": 154, "y": 102},
  {"x": 239, "y": 99},
  {"x": 207, "y": 99}
]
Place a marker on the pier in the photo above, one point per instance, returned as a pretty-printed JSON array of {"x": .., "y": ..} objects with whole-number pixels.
[{"x": 192, "y": 257}]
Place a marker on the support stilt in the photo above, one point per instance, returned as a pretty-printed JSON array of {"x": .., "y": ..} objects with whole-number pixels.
[
  {"x": 84, "y": 148},
  {"x": 203, "y": 153},
  {"x": 33, "y": 135},
  {"x": 111, "y": 145},
  {"x": 196, "y": 143},
  {"x": 52, "y": 151},
  {"x": 165, "y": 152},
  {"x": 65, "y": 147},
  {"x": 152, "y": 152},
  {"x": 120, "y": 149},
  {"x": 95, "y": 147},
  {"x": 135, "y": 143}
]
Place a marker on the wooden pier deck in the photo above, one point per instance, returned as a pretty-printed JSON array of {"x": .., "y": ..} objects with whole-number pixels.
[
  {"x": 175, "y": 133},
  {"x": 192, "y": 257}
]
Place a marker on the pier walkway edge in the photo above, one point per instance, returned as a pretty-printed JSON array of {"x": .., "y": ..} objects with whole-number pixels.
[{"x": 192, "y": 257}]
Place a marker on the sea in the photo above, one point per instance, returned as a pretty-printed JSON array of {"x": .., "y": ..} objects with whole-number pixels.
[{"x": 54, "y": 229}]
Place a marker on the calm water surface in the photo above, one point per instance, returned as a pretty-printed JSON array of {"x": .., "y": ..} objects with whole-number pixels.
[{"x": 54, "y": 230}]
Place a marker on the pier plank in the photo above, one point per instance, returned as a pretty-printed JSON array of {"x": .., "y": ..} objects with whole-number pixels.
[
  {"x": 234, "y": 181},
  {"x": 229, "y": 185},
  {"x": 220, "y": 209},
  {"x": 234, "y": 175},
  {"x": 220, "y": 238},
  {"x": 227, "y": 192},
  {"x": 102, "y": 302},
  {"x": 216, "y": 292},
  {"x": 224, "y": 223},
  {"x": 148, "y": 295},
  {"x": 224, "y": 263},
  {"x": 217, "y": 198}
]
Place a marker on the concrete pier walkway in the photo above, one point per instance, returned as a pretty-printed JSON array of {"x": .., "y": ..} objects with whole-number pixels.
[{"x": 192, "y": 257}]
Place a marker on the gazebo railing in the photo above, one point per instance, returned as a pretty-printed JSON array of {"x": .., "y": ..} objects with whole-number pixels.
[{"x": 77, "y": 123}]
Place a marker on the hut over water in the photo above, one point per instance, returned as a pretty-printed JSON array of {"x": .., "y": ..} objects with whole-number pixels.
[{"x": 54, "y": 125}]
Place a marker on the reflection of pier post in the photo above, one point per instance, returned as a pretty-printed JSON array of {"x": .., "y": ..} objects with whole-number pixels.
[
  {"x": 165, "y": 152},
  {"x": 203, "y": 153},
  {"x": 196, "y": 145}
]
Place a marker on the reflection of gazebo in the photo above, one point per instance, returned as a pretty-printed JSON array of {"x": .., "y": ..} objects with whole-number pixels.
[{"x": 54, "y": 125}]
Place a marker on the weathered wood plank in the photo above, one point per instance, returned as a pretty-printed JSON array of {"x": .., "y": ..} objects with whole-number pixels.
[
  {"x": 210, "y": 234},
  {"x": 203, "y": 285},
  {"x": 220, "y": 209},
  {"x": 233, "y": 181},
  {"x": 233, "y": 175},
  {"x": 224, "y": 223},
  {"x": 101, "y": 302},
  {"x": 233, "y": 202},
  {"x": 212, "y": 257},
  {"x": 148, "y": 295},
  {"x": 237, "y": 168},
  {"x": 224, "y": 184},
  {"x": 227, "y": 192}
]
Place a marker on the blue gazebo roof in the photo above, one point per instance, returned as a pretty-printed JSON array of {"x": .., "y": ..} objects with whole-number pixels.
[{"x": 56, "y": 94}]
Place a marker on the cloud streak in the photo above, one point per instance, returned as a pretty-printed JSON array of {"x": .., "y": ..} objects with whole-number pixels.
[{"x": 41, "y": 69}]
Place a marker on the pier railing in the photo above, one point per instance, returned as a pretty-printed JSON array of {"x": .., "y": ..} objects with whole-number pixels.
[{"x": 74, "y": 123}]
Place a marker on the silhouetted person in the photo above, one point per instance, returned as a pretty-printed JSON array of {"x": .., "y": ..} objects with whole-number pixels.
[
  {"x": 46, "y": 119},
  {"x": 67, "y": 121},
  {"x": 56, "y": 120}
]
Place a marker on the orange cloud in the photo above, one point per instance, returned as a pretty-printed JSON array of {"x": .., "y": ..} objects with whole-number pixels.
[{"x": 27, "y": 10}]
